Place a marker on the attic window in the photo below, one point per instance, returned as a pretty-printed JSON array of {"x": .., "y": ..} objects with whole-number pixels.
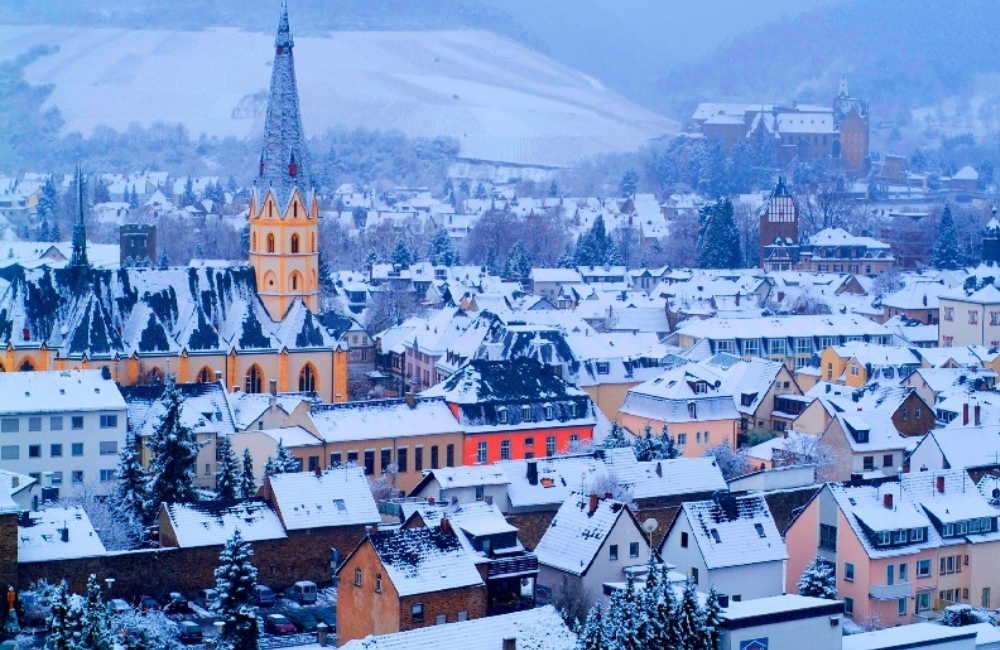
[
  {"x": 549, "y": 412},
  {"x": 572, "y": 410},
  {"x": 526, "y": 413},
  {"x": 341, "y": 506},
  {"x": 603, "y": 367},
  {"x": 760, "y": 530},
  {"x": 502, "y": 415}
]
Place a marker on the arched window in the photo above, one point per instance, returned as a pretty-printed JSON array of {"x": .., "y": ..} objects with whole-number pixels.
[
  {"x": 270, "y": 243},
  {"x": 295, "y": 281},
  {"x": 27, "y": 366},
  {"x": 269, "y": 278},
  {"x": 205, "y": 375},
  {"x": 312, "y": 239},
  {"x": 307, "y": 379},
  {"x": 255, "y": 379},
  {"x": 253, "y": 247},
  {"x": 295, "y": 243}
]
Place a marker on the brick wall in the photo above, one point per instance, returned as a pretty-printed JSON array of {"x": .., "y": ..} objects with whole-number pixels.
[
  {"x": 8, "y": 550},
  {"x": 786, "y": 505},
  {"x": 448, "y": 603},
  {"x": 531, "y": 526},
  {"x": 304, "y": 555}
]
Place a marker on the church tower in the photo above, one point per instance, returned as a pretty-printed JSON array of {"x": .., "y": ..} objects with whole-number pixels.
[
  {"x": 284, "y": 211},
  {"x": 779, "y": 229}
]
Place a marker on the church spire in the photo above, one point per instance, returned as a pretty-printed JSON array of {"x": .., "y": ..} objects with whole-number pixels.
[
  {"x": 283, "y": 161},
  {"x": 842, "y": 91},
  {"x": 79, "y": 258}
]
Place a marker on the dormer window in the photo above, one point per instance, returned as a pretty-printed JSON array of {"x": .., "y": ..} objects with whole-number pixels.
[
  {"x": 502, "y": 415},
  {"x": 917, "y": 535},
  {"x": 701, "y": 387},
  {"x": 526, "y": 413},
  {"x": 603, "y": 367},
  {"x": 884, "y": 538},
  {"x": 572, "y": 410},
  {"x": 899, "y": 537},
  {"x": 549, "y": 412}
]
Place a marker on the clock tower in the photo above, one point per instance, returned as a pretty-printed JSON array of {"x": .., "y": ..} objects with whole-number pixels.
[{"x": 779, "y": 222}]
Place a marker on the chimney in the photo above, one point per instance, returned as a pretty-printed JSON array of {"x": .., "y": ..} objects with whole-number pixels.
[
  {"x": 940, "y": 484},
  {"x": 430, "y": 500},
  {"x": 737, "y": 298},
  {"x": 64, "y": 531},
  {"x": 273, "y": 387},
  {"x": 411, "y": 399},
  {"x": 236, "y": 389},
  {"x": 887, "y": 500},
  {"x": 488, "y": 499},
  {"x": 445, "y": 525},
  {"x": 607, "y": 495},
  {"x": 593, "y": 505},
  {"x": 965, "y": 413},
  {"x": 532, "y": 472},
  {"x": 27, "y": 334},
  {"x": 15, "y": 481},
  {"x": 975, "y": 414},
  {"x": 510, "y": 644},
  {"x": 659, "y": 468}
]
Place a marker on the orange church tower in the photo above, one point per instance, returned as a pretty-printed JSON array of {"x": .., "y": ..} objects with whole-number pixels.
[{"x": 284, "y": 211}]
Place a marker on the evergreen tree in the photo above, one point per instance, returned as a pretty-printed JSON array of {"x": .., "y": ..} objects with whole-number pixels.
[
  {"x": 48, "y": 200},
  {"x": 442, "y": 252},
  {"x": 718, "y": 237},
  {"x": 43, "y": 231},
  {"x": 480, "y": 191},
  {"x": 164, "y": 260},
  {"x": 95, "y": 633},
  {"x": 622, "y": 619},
  {"x": 518, "y": 264},
  {"x": 188, "y": 197},
  {"x": 282, "y": 463},
  {"x": 56, "y": 235},
  {"x": 64, "y": 624},
  {"x": 818, "y": 580},
  {"x": 133, "y": 199},
  {"x": 490, "y": 265},
  {"x": 616, "y": 437},
  {"x": 591, "y": 635},
  {"x": 128, "y": 497},
  {"x": 245, "y": 240},
  {"x": 711, "y": 621},
  {"x": 946, "y": 254},
  {"x": 690, "y": 621},
  {"x": 553, "y": 190},
  {"x": 175, "y": 455},
  {"x": 325, "y": 272},
  {"x": 229, "y": 470},
  {"x": 360, "y": 216},
  {"x": 248, "y": 482},
  {"x": 643, "y": 444},
  {"x": 670, "y": 450},
  {"x": 566, "y": 260},
  {"x": 401, "y": 255},
  {"x": 595, "y": 247},
  {"x": 236, "y": 582},
  {"x": 101, "y": 193},
  {"x": 371, "y": 259},
  {"x": 629, "y": 184}
]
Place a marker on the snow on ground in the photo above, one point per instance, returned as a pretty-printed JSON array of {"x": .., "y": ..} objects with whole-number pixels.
[{"x": 502, "y": 101}]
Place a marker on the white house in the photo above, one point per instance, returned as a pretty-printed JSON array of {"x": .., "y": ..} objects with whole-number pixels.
[
  {"x": 62, "y": 428},
  {"x": 782, "y": 622},
  {"x": 591, "y": 541},
  {"x": 732, "y": 545}
]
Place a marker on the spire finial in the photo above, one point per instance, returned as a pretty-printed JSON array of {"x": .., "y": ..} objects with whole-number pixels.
[
  {"x": 284, "y": 36},
  {"x": 79, "y": 258}
]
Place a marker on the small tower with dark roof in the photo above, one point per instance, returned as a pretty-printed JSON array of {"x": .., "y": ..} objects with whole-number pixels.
[
  {"x": 779, "y": 227},
  {"x": 991, "y": 241},
  {"x": 284, "y": 211},
  {"x": 79, "y": 257}
]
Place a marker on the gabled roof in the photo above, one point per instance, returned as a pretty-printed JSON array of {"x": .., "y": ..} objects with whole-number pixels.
[
  {"x": 335, "y": 497},
  {"x": 558, "y": 478},
  {"x": 43, "y": 539},
  {"x": 966, "y": 447},
  {"x": 534, "y": 629},
  {"x": 745, "y": 535},
  {"x": 210, "y": 523},
  {"x": 464, "y": 476},
  {"x": 60, "y": 390},
  {"x": 424, "y": 560},
  {"x": 480, "y": 381},
  {"x": 575, "y": 535},
  {"x": 204, "y": 408},
  {"x": 660, "y": 478}
]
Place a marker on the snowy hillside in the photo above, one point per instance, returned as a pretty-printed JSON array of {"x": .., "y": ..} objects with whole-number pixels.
[{"x": 501, "y": 101}]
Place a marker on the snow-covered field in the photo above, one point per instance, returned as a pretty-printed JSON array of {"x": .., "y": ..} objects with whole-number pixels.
[{"x": 502, "y": 101}]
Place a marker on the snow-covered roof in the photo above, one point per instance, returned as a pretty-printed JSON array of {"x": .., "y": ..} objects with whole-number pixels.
[
  {"x": 660, "y": 478},
  {"x": 570, "y": 276},
  {"x": 211, "y": 523},
  {"x": 916, "y": 635},
  {"x": 746, "y": 535},
  {"x": 58, "y": 390},
  {"x": 334, "y": 497},
  {"x": 558, "y": 478},
  {"x": 534, "y": 629},
  {"x": 58, "y": 534},
  {"x": 915, "y": 295},
  {"x": 575, "y": 535},
  {"x": 248, "y": 407},
  {"x": 424, "y": 560},
  {"x": 840, "y": 237},
  {"x": 469, "y": 476},
  {"x": 204, "y": 408},
  {"x": 738, "y": 610},
  {"x": 967, "y": 447},
  {"x": 370, "y": 420},
  {"x": 778, "y": 327},
  {"x": 988, "y": 295}
]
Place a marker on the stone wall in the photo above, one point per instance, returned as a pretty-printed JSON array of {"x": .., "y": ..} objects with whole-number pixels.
[{"x": 8, "y": 550}]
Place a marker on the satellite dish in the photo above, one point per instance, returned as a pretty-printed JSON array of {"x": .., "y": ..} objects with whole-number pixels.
[{"x": 650, "y": 525}]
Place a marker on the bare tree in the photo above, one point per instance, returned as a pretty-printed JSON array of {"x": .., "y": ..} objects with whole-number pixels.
[
  {"x": 388, "y": 307},
  {"x": 604, "y": 481},
  {"x": 494, "y": 234},
  {"x": 802, "y": 449},
  {"x": 115, "y": 530},
  {"x": 384, "y": 487},
  {"x": 732, "y": 462},
  {"x": 681, "y": 246},
  {"x": 571, "y": 601}
]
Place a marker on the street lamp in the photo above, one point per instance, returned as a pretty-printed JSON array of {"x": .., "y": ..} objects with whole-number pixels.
[{"x": 110, "y": 583}]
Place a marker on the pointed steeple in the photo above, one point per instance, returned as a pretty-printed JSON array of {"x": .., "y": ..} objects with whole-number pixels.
[
  {"x": 79, "y": 257},
  {"x": 842, "y": 92},
  {"x": 283, "y": 161}
]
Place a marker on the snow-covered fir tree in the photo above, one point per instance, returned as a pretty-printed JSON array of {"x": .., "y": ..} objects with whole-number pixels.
[
  {"x": 668, "y": 444},
  {"x": 623, "y": 618},
  {"x": 718, "y": 237},
  {"x": 48, "y": 200},
  {"x": 174, "y": 456},
  {"x": 282, "y": 463},
  {"x": 128, "y": 497},
  {"x": 64, "y": 624},
  {"x": 188, "y": 197},
  {"x": 616, "y": 437},
  {"x": 518, "y": 264},
  {"x": 819, "y": 580},
  {"x": 401, "y": 255},
  {"x": 711, "y": 621},
  {"x": 629, "y": 184},
  {"x": 248, "y": 482},
  {"x": 95, "y": 633},
  {"x": 229, "y": 471},
  {"x": 690, "y": 619},
  {"x": 946, "y": 254},
  {"x": 442, "y": 251},
  {"x": 236, "y": 582},
  {"x": 133, "y": 200},
  {"x": 591, "y": 634}
]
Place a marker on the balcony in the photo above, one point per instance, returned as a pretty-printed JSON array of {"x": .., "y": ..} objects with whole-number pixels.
[
  {"x": 518, "y": 566},
  {"x": 891, "y": 592}
]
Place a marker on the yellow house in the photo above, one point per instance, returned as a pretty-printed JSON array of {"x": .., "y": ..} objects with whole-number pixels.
[{"x": 856, "y": 363}]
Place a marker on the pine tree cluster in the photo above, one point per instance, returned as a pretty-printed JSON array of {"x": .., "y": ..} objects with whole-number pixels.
[
  {"x": 596, "y": 247},
  {"x": 282, "y": 463},
  {"x": 652, "y": 617},
  {"x": 649, "y": 447},
  {"x": 718, "y": 237}
]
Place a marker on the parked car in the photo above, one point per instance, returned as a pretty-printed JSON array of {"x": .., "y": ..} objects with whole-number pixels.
[
  {"x": 265, "y": 596},
  {"x": 148, "y": 604},
  {"x": 278, "y": 624},
  {"x": 207, "y": 598},
  {"x": 176, "y": 603},
  {"x": 303, "y": 592},
  {"x": 189, "y": 632},
  {"x": 118, "y": 606},
  {"x": 303, "y": 619}
]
